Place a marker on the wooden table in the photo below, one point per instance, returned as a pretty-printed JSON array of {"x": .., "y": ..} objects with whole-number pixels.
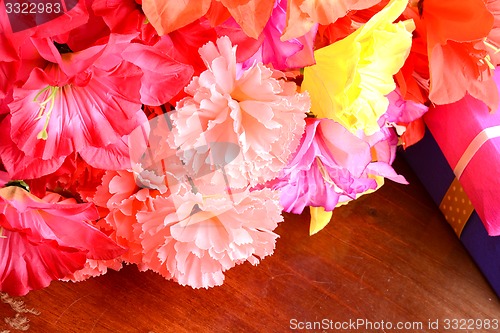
[{"x": 385, "y": 259}]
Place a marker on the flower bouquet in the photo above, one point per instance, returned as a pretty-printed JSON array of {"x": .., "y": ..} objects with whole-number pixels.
[{"x": 173, "y": 134}]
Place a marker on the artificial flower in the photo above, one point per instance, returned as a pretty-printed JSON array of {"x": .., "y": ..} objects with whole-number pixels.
[
  {"x": 194, "y": 238},
  {"x": 171, "y": 135},
  {"x": 405, "y": 117},
  {"x": 67, "y": 106},
  {"x": 459, "y": 48},
  {"x": 46, "y": 239},
  {"x": 352, "y": 76},
  {"x": 251, "y": 110},
  {"x": 329, "y": 164}
]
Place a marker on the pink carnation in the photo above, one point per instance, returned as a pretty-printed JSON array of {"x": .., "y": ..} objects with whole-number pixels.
[
  {"x": 194, "y": 238},
  {"x": 251, "y": 109}
]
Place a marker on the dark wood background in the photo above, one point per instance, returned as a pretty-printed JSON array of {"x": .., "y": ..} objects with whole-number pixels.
[{"x": 388, "y": 256}]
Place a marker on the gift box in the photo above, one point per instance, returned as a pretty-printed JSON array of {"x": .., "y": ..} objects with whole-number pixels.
[{"x": 434, "y": 171}]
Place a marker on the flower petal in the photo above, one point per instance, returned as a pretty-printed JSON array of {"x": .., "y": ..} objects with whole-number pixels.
[
  {"x": 352, "y": 76},
  {"x": 319, "y": 219},
  {"x": 163, "y": 77},
  {"x": 169, "y": 15}
]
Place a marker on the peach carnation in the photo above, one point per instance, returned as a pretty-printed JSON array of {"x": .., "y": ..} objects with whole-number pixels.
[
  {"x": 262, "y": 114},
  {"x": 194, "y": 238}
]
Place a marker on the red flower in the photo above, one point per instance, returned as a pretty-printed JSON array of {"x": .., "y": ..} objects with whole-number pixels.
[{"x": 46, "y": 239}]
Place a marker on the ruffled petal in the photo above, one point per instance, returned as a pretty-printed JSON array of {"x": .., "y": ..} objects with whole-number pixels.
[{"x": 251, "y": 110}]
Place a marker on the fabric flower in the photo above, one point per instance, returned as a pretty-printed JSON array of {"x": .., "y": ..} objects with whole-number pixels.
[
  {"x": 46, "y": 239},
  {"x": 461, "y": 50},
  {"x": 328, "y": 165},
  {"x": 332, "y": 167},
  {"x": 352, "y": 76},
  {"x": 78, "y": 102},
  {"x": 194, "y": 238},
  {"x": 65, "y": 106},
  {"x": 249, "y": 109},
  {"x": 94, "y": 268}
]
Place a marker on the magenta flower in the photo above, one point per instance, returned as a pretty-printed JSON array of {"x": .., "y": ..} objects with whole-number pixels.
[{"x": 330, "y": 164}]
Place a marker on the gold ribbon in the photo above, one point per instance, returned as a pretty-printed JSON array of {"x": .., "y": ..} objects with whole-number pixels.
[{"x": 456, "y": 207}]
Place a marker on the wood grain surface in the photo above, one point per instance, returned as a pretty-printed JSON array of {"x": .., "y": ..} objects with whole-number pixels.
[{"x": 389, "y": 257}]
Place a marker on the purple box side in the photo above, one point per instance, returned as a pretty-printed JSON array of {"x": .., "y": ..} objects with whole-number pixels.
[{"x": 431, "y": 167}]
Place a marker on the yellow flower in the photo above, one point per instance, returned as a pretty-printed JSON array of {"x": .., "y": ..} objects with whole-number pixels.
[{"x": 352, "y": 76}]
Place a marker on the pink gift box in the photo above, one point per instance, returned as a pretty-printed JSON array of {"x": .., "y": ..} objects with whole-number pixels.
[{"x": 469, "y": 136}]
